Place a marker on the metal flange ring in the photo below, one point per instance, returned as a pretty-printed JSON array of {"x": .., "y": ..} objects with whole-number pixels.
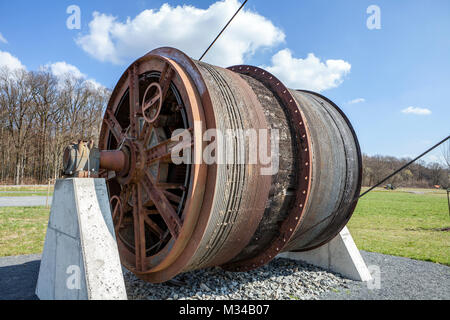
[{"x": 149, "y": 107}]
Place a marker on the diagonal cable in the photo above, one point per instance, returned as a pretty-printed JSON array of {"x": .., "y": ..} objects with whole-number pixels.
[{"x": 222, "y": 30}]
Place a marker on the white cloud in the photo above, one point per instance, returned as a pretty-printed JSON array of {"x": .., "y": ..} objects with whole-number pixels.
[
  {"x": 309, "y": 73},
  {"x": 8, "y": 60},
  {"x": 358, "y": 100},
  {"x": 62, "y": 69},
  {"x": 187, "y": 28},
  {"x": 94, "y": 84},
  {"x": 2, "y": 38},
  {"x": 59, "y": 69},
  {"x": 416, "y": 110}
]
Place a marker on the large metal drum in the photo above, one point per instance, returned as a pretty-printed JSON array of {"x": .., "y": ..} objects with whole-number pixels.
[{"x": 173, "y": 217}]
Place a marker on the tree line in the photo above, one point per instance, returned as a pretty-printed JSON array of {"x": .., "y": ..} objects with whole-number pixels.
[
  {"x": 41, "y": 114},
  {"x": 418, "y": 175}
]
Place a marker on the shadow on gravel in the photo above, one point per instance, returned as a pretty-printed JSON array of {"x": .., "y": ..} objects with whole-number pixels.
[{"x": 18, "y": 282}]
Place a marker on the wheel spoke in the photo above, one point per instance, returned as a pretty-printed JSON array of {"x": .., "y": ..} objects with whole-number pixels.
[
  {"x": 163, "y": 151},
  {"x": 151, "y": 102},
  {"x": 154, "y": 227},
  {"x": 163, "y": 206},
  {"x": 146, "y": 133},
  {"x": 114, "y": 126},
  {"x": 139, "y": 229},
  {"x": 134, "y": 99},
  {"x": 169, "y": 186},
  {"x": 172, "y": 197}
]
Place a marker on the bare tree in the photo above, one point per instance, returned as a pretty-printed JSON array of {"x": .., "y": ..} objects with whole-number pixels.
[
  {"x": 39, "y": 116},
  {"x": 16, "y": 88},
  {"x": 418, "y": 174},
  {"x": 44, "y": 97}
]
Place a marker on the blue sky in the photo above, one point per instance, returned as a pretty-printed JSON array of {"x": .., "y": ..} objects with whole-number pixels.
[{"x": 404, "y": 64}]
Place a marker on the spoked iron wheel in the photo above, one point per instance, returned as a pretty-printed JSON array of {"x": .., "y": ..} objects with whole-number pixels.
[{"x": 151, "y": 198}]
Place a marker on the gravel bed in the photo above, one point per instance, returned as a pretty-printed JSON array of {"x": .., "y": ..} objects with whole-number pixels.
[
  {"x": 401, "y": 278},
  {"x": 282, "y": 279}
]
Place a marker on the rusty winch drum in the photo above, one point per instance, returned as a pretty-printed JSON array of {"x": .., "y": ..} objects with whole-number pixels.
[{"x": 171, "y": 218}]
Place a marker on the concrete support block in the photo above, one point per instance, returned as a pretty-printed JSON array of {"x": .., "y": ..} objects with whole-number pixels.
[
  {"x": 340, "y": 255},
  {"x": 80, "y": 259}
]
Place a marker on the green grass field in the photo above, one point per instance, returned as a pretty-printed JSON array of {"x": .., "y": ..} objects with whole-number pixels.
[
  {"x": 404, "y": 224},
  {"x": 414, "y": 225},
  {"x": 22, "y": 230}
]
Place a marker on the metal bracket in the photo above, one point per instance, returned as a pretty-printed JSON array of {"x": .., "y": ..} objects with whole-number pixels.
[{"x": 81, "y": 160}]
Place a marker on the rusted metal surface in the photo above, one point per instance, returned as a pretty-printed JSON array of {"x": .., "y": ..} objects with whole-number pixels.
[
  {"x": 81, "y": 160},
  {"x": 335, "y": 147},
  {"x": 174, "y": 218},
  {"x": 114, "y": 160},
  {"x": 302, "y": 171},
  {"x": 160, "y": 201},
  {"x": 238, "y": 206}
]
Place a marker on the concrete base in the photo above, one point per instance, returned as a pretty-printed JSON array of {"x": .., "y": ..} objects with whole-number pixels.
[
  {"x": 80, "y": 259},
  {"x": 340, "y": 255}
]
